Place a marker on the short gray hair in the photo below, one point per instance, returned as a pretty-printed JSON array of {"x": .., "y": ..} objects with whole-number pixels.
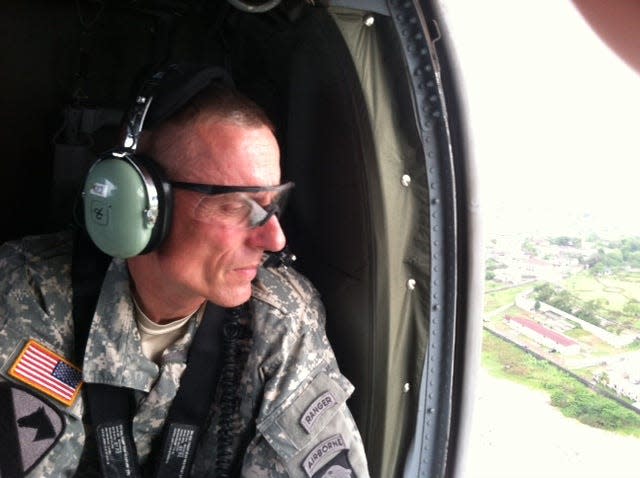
[{"x": 216, "y": 101}]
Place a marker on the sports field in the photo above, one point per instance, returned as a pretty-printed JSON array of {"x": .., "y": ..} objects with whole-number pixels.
[{"x": 616, "y": 290}]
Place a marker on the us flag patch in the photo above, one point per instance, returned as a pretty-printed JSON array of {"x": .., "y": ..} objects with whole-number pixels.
[{"x": 46, "y": 371}]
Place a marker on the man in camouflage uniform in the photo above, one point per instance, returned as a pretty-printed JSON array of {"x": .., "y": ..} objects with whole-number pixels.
[{"x": 288, "y": 415}]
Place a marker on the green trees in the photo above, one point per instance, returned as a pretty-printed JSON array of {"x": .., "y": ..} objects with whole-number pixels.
[
  {"x": 490, "y": 267},
  {"x": 577, "y": 401},
  {"x": 566, "y": 241},
  {"x": 555, "y": 296},
  {"x": 562, "y": 299},
  {"x": 632, "y": 308},
  {"x": 614, "y": 256}
]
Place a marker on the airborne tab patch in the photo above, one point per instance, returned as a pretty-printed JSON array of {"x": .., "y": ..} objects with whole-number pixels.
[
  {"x": 319, "y": 455},
  {"x": 338, "y": 467},
  {"x": 44, "y": 370}
]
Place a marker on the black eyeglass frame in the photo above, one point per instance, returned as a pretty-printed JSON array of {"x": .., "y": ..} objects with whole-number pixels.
[{"x": 214, "y": 189}]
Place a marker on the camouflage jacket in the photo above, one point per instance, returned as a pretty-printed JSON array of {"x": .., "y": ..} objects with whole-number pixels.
[{"x": 290, "y": 417}]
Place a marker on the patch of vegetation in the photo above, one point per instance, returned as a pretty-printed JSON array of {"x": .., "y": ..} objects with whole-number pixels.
[
  {"x": 491, "y": 284},
  {"x": 618, "y": 290},
  {"x": 630, "y": 276},
  {"x": 633, "y": 346},
  {"x": 615, "y": 256},
  {"x": 598, "y": 310},
  {"x": 591, "y": 311},
  {"x": 566, "y": 241},
  {"x": 490, "y": 267},
  {"x": 577, "y": 333},
  {"x": 499, "y": 298},
  {"x": 593, "y": 409},
  {"x": 572, "y": 397}
]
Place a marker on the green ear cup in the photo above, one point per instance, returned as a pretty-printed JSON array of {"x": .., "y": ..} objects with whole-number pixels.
[{"x": 120, "y": 207}]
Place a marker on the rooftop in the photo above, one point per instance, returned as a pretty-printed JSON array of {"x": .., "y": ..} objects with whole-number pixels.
[{"x": 542, "y": 330}]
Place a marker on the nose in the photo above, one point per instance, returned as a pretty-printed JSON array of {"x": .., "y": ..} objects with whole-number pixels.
[{"x": 268, "y": 237}]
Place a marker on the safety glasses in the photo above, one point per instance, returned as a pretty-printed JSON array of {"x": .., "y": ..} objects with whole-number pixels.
[{"x": 237, "y": 206}]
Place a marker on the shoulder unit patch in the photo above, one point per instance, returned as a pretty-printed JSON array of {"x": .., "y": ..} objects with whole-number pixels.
[
  {"x": 338, "y": 467},
  {"x": 44, "y": 370},
  {"x": 30, "y": 429}
]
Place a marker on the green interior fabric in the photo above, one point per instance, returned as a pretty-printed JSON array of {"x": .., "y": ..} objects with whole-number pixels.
[{"x": 401, "y": 250}]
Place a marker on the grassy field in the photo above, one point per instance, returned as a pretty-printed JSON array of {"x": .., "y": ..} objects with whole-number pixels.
[
  {"x": 494, "y": 299},
  {"x": 616, "y": 290},
  {"x": 574, "y": 399},
  {"x": 579, "y": 334}
]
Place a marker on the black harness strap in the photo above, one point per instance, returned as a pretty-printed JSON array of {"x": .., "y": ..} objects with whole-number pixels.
[
  {"x": 190, "y": 407},
  {"x": 111, "y": 409}
]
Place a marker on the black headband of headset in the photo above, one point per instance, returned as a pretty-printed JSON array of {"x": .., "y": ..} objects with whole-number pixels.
[
  {"x": 178, "y": 85},
  {"x": 166, "y": 92}
]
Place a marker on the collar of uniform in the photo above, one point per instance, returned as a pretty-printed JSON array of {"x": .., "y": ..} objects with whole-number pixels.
[
  {"x": 114, "y": 353},
  {"x": 281, "y": 288},
  {"x": 261, "y": 288}
]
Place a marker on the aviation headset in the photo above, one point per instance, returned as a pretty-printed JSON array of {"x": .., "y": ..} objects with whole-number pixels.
[{"x": 127, "y": 198}]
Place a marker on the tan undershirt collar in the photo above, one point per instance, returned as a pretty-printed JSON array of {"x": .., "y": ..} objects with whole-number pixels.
[{"x": 155, "y": 338}]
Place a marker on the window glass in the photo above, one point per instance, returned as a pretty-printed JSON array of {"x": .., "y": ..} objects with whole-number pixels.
[{"x": 554, "y": 118}]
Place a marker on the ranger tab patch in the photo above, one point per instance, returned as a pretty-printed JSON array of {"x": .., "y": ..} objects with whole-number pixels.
[
  {"x": 319, "y": 407},
  {"x": 44, "y": 370}
]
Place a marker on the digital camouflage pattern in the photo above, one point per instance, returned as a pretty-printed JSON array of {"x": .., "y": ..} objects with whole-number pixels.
[{"x": 291, "y": 419}]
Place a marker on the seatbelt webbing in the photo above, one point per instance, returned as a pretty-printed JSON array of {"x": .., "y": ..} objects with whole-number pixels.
[
  {"x": 110, "y": 413},
  {"x": 111, "y": 409},
  {"x": 191, "y": 406}
]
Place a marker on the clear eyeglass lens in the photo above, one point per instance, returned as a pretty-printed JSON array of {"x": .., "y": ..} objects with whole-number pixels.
[{"x": 237, "y": 209}]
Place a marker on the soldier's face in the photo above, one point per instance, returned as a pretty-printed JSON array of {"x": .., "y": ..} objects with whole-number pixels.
[{"x": 214, "y": 259}]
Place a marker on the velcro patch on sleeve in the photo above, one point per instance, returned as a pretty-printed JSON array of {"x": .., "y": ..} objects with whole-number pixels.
[
  {"x": 338, "y": 467},
  {"x": 44, "y": 370},
  {"x": 318, "y": 407},
  {"x": 324, "y": 454},
  {"x": 30, "y": 426}
]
